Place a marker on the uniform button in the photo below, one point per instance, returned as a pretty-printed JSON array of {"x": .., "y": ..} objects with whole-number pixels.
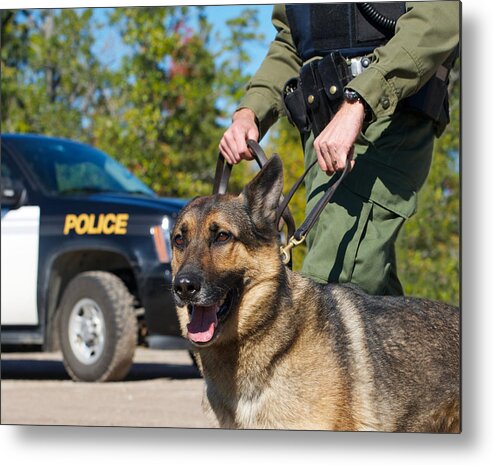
[
  {"x": 385, "y": 102},
  {"x": 311, "y": 99}
]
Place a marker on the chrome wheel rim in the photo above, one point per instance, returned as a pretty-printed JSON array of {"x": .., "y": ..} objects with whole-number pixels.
[{"x": 86, "y": 331}]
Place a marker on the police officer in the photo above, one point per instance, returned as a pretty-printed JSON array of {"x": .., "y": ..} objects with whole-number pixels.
[{"x": 388, "y": 139}]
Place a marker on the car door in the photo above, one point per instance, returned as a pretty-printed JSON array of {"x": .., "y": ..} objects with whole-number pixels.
[{"x": 19, "y": 252}]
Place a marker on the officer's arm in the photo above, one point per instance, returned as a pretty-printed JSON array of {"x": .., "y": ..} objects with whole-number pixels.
[
  {"x": 281, "y": 63},
  {"x": 425, "y": 36}
]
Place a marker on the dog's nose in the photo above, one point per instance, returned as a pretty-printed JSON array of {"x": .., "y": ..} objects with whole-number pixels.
[{"x": 187, "y": 286}]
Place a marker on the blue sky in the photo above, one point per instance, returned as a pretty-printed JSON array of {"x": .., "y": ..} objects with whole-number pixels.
[
  {"x": 112, "y": 49},
  {"x": 218, "y": 15}
]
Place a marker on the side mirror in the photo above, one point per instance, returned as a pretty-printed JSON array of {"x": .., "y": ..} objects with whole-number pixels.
[{"x": 13, "y": 193}]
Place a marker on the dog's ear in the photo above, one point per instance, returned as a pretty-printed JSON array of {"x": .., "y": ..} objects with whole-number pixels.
[{"x": 263, "y": 192}]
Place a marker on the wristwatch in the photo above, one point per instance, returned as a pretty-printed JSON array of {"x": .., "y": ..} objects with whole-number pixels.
[{"x": 352, "y": 96}]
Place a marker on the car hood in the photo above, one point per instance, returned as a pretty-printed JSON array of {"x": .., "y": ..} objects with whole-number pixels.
[{"x": 160, "y": 204}]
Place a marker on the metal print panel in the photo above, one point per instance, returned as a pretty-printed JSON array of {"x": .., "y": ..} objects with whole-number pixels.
[{"x": 126, "y": 303}]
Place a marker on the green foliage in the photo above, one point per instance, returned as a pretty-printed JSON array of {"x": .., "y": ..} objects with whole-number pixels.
[
  {"x": 156, "y": 111},
  {"x": 49, "y": 76},
  {"x": 14, "y": 33},
  {"x": 163, "y": 119}
]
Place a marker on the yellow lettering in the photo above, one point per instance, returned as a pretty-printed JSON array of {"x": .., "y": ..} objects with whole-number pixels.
[
  {"x": 92, "y": 227},
  {"x": 70, "y": 221},
  {"x": 107, "y": 227},
  {"x": 121, "y": 223},
  {"x": 82, "y": 225},
  {"x": 99, "y": 228}
]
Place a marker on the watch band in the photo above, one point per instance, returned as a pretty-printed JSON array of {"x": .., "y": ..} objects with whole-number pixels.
[{"x": 352, "y": 96}]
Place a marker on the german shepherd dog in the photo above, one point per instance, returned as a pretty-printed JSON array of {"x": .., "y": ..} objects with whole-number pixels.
[{"x": 279, "y": 351}]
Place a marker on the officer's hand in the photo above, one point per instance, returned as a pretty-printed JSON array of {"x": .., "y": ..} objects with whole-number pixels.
[
  {"x": 334, "y": 145},
  {"x": 233, "y": 143}
]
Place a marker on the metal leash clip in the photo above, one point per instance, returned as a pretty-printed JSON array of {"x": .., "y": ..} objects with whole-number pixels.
[{"x": 286, "y": 249}]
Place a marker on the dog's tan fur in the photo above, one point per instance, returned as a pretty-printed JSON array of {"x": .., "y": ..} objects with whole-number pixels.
[{"x": 293, "y": 354}]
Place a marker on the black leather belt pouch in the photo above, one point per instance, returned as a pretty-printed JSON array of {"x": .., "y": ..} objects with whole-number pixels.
[
  {"x": 312, "y": 100},
  {"x": 294, "y": 105}
]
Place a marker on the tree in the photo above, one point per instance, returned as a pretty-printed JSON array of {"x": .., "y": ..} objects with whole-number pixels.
[
  {"x": 233, "y": 57},
  {"x": 156, "y": 111},
  {"x": 14, "y": 32},
  {"x": 158, "y": 115},
  {"x": 50, "y": 76}
]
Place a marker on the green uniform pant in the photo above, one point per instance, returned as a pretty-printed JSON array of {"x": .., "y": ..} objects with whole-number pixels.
[{"x": 354, "y": 238}]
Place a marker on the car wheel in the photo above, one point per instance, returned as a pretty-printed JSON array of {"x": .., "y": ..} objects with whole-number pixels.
[{"x": 98, "y": 327}]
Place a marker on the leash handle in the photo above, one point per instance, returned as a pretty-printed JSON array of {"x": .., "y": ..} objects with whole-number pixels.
[
  {"x": 223, "y": 168},
  {"x": 221, "y": 178}
]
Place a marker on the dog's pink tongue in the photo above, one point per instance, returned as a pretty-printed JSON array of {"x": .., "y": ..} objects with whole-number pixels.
[{"x": 203, "y": 323}]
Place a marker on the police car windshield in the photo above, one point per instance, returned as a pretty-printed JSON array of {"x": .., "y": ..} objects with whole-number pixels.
[{"x": 65, "y": 167}]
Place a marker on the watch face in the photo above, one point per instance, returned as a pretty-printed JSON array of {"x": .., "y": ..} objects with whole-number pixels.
[{"x": 351, "y": 95}]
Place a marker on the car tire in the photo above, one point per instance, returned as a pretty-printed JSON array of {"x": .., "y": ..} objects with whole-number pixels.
[{"x": 98, "y": 327}]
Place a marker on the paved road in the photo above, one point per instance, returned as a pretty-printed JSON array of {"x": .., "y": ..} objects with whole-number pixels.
[{"x": 162, "y": 389}]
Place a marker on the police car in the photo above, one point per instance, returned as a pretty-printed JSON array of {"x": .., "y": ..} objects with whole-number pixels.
[{"x": 85, "y": 256}]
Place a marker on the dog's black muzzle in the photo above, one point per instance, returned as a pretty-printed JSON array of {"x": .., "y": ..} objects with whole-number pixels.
[{"x": 187, "y": 286}]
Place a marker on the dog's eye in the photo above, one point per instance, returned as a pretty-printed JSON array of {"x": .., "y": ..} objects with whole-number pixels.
[
  {"x": 223, "y": 237},
  {"x": 179, "y": 241}
]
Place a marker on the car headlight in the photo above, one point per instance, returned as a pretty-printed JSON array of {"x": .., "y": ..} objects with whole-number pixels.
[{"x": 161, "y": 236}]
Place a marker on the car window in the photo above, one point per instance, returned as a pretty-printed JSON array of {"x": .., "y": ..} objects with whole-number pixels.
[
  {"x": 65, "y": 167},
  {"x": 9, "y": 172},
  {"x": 77, "y": 176}
]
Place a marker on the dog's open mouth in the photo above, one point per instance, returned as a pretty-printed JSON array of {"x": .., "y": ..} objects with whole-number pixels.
[{"x": 206, "y": 320}]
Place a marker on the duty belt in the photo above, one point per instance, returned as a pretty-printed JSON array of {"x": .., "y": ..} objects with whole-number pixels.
[{"x": 312, "y": 99}]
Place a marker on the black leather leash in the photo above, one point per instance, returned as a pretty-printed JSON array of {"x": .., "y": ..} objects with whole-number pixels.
[
  {"x": 299, "y": 236},
  {"x": 296, "y": 237},
  {"x": 221, "y": 178}
]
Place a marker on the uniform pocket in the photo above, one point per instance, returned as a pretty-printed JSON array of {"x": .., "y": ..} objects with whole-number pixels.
[
  {"x": 400, "y": 147},
  {"x": 382, "y": 185},
  {"x": 335, "y": 238},
  {"x": 374, "y": 266}
]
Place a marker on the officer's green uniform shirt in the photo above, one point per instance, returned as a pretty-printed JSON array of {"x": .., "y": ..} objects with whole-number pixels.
[
  {"x": 354, "y": 238},
  {"x": 424, "y": 37}
]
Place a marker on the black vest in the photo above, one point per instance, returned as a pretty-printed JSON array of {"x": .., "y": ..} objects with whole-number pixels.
[{"x": 318, "y": 29}]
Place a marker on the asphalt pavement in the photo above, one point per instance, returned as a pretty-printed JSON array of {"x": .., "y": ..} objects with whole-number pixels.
[{"x": 163, "y": 389}]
